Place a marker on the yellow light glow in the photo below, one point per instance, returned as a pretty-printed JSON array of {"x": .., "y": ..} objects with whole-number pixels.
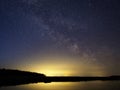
[
  {"x": 64, "y": 66},
  {"x": 53, "y": 66},
  {"x": 53, "y": 70},
  {"x": 53, "y": 85}
]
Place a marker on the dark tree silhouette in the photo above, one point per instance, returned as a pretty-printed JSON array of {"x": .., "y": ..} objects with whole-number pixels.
[{"x": 15, "y": 77}]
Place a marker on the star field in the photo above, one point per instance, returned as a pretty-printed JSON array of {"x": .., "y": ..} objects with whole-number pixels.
[{"x": 85, "y": 29}]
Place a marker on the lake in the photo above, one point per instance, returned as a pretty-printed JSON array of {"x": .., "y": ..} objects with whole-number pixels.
[{"x": 90, "y": 85}]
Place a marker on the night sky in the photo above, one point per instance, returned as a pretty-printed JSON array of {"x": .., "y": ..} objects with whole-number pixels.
[{"x": 61, "y": 37}]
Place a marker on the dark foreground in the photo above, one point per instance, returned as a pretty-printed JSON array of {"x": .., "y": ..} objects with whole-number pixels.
[
  {"x": 15, "y": 77},
  {"x": 78, "y": 79}
]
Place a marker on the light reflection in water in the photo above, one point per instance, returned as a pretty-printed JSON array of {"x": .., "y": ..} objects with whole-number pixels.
[
  {"x": 92, "y": 85},
  {"x": 53, "y": 86}
]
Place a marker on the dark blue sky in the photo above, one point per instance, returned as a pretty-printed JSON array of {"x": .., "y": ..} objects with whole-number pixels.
[{"x": 76, "y": 28}]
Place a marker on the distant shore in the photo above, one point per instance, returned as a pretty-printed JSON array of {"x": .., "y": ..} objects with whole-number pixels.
[
  {"x": 78, "y": 78},
  {"x": 15, "y": 77}
]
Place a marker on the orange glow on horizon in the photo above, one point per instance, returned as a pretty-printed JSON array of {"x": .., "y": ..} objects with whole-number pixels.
[
  {"x": 54, "y": 70},
  {"x": 62, "y": 66}
]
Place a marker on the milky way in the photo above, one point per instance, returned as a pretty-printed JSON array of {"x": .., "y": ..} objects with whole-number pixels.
[
  {"x": 85, "y": 25},
  {"x": 79, "y": 28}
]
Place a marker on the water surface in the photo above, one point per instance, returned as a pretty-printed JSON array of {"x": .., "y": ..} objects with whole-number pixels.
[{"x": 90, "y": 85}]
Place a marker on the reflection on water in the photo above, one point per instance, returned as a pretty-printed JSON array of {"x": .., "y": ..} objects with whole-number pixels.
[{"x": 93, "y": 85}]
